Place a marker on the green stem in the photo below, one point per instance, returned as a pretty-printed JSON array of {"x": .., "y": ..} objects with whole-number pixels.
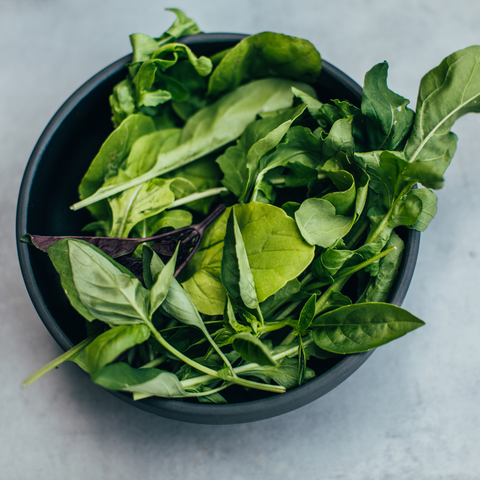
[
  {"x": 68, "y": 355},
  {"x": 209, "y": 371},
  {"x": 247, "y": 367},
  {"x": 156, "y": 362}
]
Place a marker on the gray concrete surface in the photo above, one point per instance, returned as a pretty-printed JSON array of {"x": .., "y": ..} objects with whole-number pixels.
[{"x": 411, "y": 412}]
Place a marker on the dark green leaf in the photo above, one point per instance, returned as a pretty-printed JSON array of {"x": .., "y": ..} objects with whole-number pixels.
[
  {"x": 252, "y": 349},
  {"x": 361, "y": 327}
]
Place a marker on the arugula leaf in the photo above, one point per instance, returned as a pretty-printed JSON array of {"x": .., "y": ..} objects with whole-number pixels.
[
  {"x": 446, "y": 93},
  {"x": 389, "y": 120}
]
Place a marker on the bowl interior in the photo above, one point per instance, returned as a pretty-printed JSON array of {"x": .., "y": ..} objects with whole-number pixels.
[{"x": 50, "y": 185}]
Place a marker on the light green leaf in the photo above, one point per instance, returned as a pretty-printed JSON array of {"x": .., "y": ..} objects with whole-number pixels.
[
  {"x": 110, "y": 344},
  {"x": 151, "y": 381},
  {"x": 319, "y": 224},
  {"x": 108, "y": 293},
  {"x": 429, "y": 208}
]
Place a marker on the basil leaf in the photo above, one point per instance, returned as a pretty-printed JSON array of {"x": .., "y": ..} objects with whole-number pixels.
[
  {"x": 252, "y": 349},
  {"x": 107, "y": 292},
  {"x": 307, "y": 314},
  {"x": 266, "y": 55},
  {"x": 361, "y": 327},
  {"x": 389, "y": 120},
  {"x": 110, "y": 344},
  {"x": 246, "y": 283},
  {"x": 151, "y": 381}
]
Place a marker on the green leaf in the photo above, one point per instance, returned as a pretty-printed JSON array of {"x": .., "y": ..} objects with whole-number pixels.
[
  {"x": 59, "y": 254},
  {"x": 246, "y": 282},
  {"x": 389, "y": 119},
  {"x": 240, "y": 163},
  {"x": 275, "y": 249},
  {"x": 429, "y": 208},
  {"x": 229, "y": 270},
  {"x": 284, "y": 374},
  {"x": 111, "y": 156},
  {"x": 209, "y": 129},
  {"x": 319, "y": 224},
  {"x": 139, "y": 203},
  {"x": 107, "y": 292},
  {"x": 380, "y": 287},
  {"x": 361, "y": 327},
  {"x": 172, "y": 218},
  {"x": 266, "y": 55},
  {"x": 161, "y": 285},
  {"x": 252, "y": 349},
  {"x": 307, "y": 314},
  {"x": 110, "y": 344},
  {"x": 151, "y": 381},
  {"x": 446, "y": 93},
  {"x": 203, "y": 271}
]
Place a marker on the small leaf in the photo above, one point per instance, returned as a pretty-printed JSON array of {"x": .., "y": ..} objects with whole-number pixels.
[
  {"x": 307, "y": 314},
  {"x": 252, "y": 349}
]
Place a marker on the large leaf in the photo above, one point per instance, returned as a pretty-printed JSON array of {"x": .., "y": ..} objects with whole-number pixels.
[
  {"x": 446, "y": 93},
  {"x": 275, "y": 248},
  {"x": 389, "y": 118},
  {"x": 211, "y": 128},
  {"x": 266, "y": 54},
  {"x": 107, "y": 292},
  {"x": 361, "y": 327},
  {"x": 110, "y": 344}
]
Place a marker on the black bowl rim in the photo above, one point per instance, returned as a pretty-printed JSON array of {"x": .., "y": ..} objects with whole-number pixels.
[{"x": 220, "y": 414}]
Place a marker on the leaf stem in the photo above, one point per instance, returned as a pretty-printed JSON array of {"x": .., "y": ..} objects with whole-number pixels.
[{"x": 68, "y": 355}]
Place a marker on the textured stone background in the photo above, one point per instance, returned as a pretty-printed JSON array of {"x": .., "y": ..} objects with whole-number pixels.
[{"x": 411, "y": 412}]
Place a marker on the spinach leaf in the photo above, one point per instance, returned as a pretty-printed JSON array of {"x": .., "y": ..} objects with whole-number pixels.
[
  {"x": 361, "y": 327},
  {"x": 388, "y": 118},
  {"x": 266, "y": 55},
  {"x": 319, "y": 223},
  {"x": 171, "y": 218},
  {"x": 429, "y": 208},
  {"x": 307, "y": 314}
]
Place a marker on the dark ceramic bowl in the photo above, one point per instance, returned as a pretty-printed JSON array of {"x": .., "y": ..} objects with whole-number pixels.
[{"x": 59, "y": 161}]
